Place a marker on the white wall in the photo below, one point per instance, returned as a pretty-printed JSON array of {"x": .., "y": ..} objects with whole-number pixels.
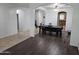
[
  {"x": 51, "y": 17},
  {"x": 39, "y": 16},
  {"x": 32, "y": 22},
  {"x": 11, "y": 24},
  {"x": 26, "y": 17},
  {"x": 7, "y": 21},
  {"x": 74, "y": 41},
  {"x": 68, "y": 18}
]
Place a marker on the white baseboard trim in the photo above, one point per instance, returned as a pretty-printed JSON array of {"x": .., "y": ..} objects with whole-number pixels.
[
  {"x": 14, "y": 42},
  {"x": 8, "y": 35},
  {"x": 32, "y": 35}
]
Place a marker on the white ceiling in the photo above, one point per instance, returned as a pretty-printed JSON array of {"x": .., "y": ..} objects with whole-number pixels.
[
  {"x": 35, "y": 5},
  {"x": 32, "y": 5},
  {"x": 59, "y": 5}
]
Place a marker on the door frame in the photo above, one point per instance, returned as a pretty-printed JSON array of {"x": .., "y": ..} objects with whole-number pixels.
[
  {"x": 65, "y": 15},
  {"x": 17, "y": 22}
]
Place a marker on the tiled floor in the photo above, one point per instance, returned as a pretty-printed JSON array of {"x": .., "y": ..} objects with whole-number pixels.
[
  {"x": 10, "y": 41},
  {"x": 43, "y": 45}
]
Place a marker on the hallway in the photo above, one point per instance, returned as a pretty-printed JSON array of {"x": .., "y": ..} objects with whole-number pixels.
[
  {"x": 43, "y": 45},
  {"x": 12, "y": 40}
]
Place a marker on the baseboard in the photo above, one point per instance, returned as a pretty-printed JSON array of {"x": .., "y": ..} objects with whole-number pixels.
[
  {"x": 32, "y": 35},
  {"x": 13, "y": 42},
  {"x": 8, "y": 35},
  {"x": 11, "y": 34}
]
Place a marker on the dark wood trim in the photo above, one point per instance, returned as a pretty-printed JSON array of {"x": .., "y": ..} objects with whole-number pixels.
[{"x": 59, "y": 16}]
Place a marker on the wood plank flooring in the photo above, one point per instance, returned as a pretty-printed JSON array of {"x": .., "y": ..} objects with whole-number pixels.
[{"x": 43, "y": 45}]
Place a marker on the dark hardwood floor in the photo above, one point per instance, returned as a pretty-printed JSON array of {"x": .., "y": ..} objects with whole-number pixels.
[{"x": 43, "y": 45}]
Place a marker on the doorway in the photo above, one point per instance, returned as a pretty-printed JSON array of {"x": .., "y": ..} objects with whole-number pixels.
[
  {"x": 62, "y": 19},
  {"x": 39, "y": 19},
  {"x": 17, "y": 22}
]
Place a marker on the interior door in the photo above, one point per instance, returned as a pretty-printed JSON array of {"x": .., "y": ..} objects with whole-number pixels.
[{"x": 62, "y": 19}]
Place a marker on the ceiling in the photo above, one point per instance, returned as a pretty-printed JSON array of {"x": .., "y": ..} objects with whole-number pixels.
[
  {"x": 36, "y": 5},
  {"x": 27, "y": 5},
  {"x": 59, "y": 5}
]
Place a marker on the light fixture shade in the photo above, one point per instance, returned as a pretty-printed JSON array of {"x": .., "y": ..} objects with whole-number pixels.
[
  {"x": 55, "y": 5},
  {"x": 17, "y": 11}
]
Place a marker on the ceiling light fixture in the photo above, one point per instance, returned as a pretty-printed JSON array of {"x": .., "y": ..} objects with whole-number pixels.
[{"x": 56, "y": 7}]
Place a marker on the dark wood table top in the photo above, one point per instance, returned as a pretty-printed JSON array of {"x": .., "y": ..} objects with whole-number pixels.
[{"x": 52, "y": 26}]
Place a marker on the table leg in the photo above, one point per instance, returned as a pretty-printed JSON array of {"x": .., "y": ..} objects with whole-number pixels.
[
  {"x": 57, "y": 33},
  {"x": 60, "y": 33}
]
